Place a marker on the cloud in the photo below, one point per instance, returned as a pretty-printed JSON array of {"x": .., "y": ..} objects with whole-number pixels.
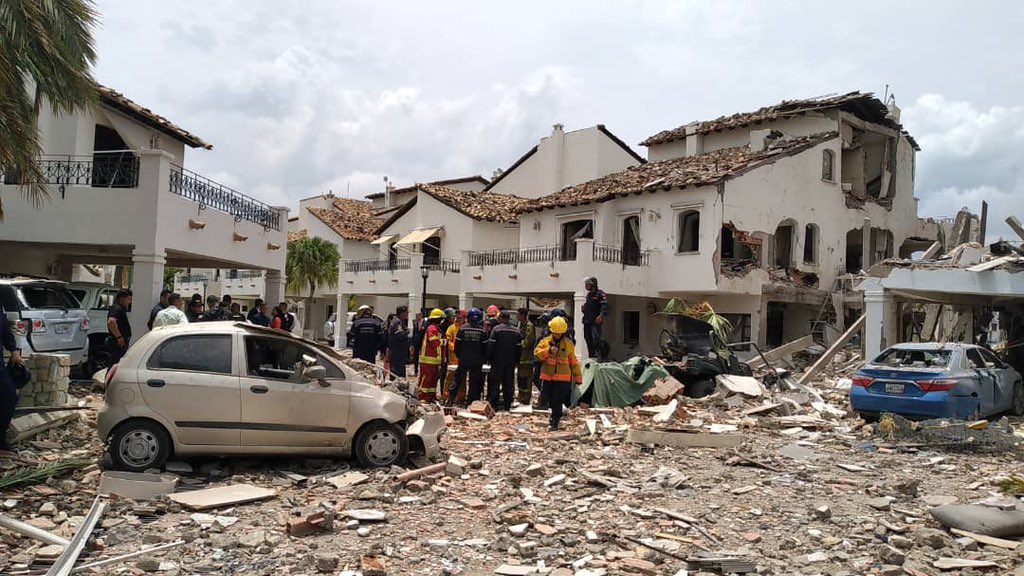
[{"x": 969, "y": 155}]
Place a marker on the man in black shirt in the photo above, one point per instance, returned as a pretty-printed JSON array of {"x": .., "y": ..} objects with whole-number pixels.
[
  {"x": 214, "y": 313},
  {"x": 289, "y": 319},
  {"x": 258, "y": 313},
  {"x": 398, "y": 341},
  {"x": 8, "y": 390},
  {"x": 367, "y": 336},
  {"x": 194, "y": 311},
  {"x": 164, "y": 295},
  {"x": 504, "y": 347},
  {"x": 471, "y": 350},
  {"x": 118, "y": 326}
]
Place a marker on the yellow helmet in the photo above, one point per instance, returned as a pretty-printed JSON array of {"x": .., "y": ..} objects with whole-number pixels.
[
  {"x": 436, "y": 314},
  {"x": 558, "y": 325}
]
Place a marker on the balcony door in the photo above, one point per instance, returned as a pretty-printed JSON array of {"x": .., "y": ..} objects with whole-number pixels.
[
  {"x": 571, "y": 232},
  {"x": 432, "y": 251},
  {"x": 113, "y": 165},
  {"x": 631, "y": 241}
]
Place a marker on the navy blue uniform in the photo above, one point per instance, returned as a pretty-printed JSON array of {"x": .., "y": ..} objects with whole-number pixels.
[
  {"x": 8, "y": 393},
  {"x": 504, "y": 346},
  {"x": 471, "y": 350},
  {"x": 367, "y": 338}
]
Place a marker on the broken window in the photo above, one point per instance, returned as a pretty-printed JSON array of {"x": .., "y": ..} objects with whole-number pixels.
[
  {"x": 573, "y": 231},
  {"x": 113, "y": 164},
  {"x": 432, "y": 251},
  {"x": 734, "y": 248},
  {"x": 784, "y": 245},
  {"x": 811, "y": 244},
  {"x": 688, "y": 237},
  {"x": 631, "y": 241},
  {"x": 828, "y": 159},
  {"x": 630, "y": 327}
]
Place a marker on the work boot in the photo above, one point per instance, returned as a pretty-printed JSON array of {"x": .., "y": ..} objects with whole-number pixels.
[{"x": 542, "y": 404}]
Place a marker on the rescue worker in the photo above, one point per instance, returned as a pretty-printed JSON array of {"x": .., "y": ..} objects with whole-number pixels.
[
  {"x": 504, "y": 348},
  {"x": 489, "y": 323},
  {"x": 398, "y": 341},
  {"x": 542, "y": 400},
  {"x": 431, "y": 356},
  {"x": 367, "y": 336},
  {"x": 560, "y": 368},
  {"x": 595, "y": 310},
  {"x": 470, "y": 347},
  {"x": 450, "y": 335},
  {"x": 524, "y": 373}
]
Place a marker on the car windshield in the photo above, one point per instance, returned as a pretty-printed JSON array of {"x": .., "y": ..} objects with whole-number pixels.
[
  {"x": 897, "y": 357},
  {"x": 45, "y": 296},
  {"x": 79, "y": 295}
]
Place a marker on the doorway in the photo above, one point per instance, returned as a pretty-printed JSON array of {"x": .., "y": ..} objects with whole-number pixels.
[
  {"x": 775, "y": 329},
  {"x": 571, "y": 232},
  {"x": 113, "y": 165},
  {"x": 631, "y": 241}
]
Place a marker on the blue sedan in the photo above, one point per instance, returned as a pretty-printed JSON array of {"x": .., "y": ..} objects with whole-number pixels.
[{"x": 931, "y": 380}]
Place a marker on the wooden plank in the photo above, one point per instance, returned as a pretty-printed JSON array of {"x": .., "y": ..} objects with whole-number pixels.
[
  {"x": 781, "y": 352},
  {"x": 993, "y": 263},
  {"x": 684, "y": 439},
  {"x": 222, "y": 496},
  {"x": 987, "y": 540},
  {"x": 1016, "y": 226},
  {"x": 827, "y": 356},
  {"x": 932, "y": 251},
  {"x": 954, "y": 563}
]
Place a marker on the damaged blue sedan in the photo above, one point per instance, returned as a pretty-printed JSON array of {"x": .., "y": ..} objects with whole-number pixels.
[{"x": 932, "y": 380}]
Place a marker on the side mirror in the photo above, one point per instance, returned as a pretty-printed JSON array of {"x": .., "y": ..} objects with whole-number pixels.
[
  {"x": 308, "y": 360},
  {"x": 991, "y": 365},
  {"x": 318, "y": 373}
]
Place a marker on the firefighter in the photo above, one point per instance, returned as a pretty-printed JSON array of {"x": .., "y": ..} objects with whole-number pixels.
[
  {"x": 524, "y": 372},
  {"x": 470, "y": 347},
  {"x": 504, "y": 348},
  {"x": 559, "y": 369},
  {"x": 450, "y": 335},
  {"x": 431, "y": 356}
]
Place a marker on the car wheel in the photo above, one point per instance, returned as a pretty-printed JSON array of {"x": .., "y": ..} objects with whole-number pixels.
[
  {"x": 381, "y": 444},
  {"x": 1018, "y": 399},
  {"x": 139, "y": 445}
]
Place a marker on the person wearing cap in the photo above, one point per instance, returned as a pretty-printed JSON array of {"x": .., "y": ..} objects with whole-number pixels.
[
  {"x": 194, "y": 311},
  {"x": 595, "y": 310},
  {"x": 398, "y": 341},
  {"x": 504, "y": 347},
  {"x": 431, "y": 356},
  {"x": 471, "y": 349},
  {"x": 559, "y": 368},
  {"x": 367, "y": 335},
  {"x": 450, "y": 335},
  {"x": 524, "y": 372}
]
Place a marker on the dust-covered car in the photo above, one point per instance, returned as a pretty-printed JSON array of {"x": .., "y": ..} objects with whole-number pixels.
[{"x": 219, "y": 388}]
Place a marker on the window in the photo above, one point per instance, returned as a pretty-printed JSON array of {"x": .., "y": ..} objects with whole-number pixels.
[
  {"x": 630, "y": 327},
  {"x": 268, "y": 357},
  {"x": 688, "y": 239},
  {"x": 784, "y": 245},
  {"x": 47, "y": 296},
  {"x": 740, "y": 330},
  {"x": 811, "y": 244},
  {"x": 79, "y": 295},
  {"x": 975, "y": 359},
  {"x": 828, "y": 162},
  {"x": 732, "y": 249},
  {"x": 206, "y": 353},
  {"x": 991, "y": 359},
  {"x": 571, "y": 232},
  {"x": 921, "y": 358},
  {"x": 631, "y": 241}
]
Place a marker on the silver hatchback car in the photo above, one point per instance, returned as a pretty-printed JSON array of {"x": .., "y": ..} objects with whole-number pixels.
[
  {"x": 46, "y": 316},
  {"x": 220, "y": 388}
]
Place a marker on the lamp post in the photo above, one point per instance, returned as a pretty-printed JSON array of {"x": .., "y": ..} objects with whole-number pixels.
[{"x": 424, "y": 273}]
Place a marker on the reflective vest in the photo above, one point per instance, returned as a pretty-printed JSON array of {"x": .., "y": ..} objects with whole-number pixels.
[
  {"x": 430, "y": 352},
  {"x": 450, "y": 334},
  {"x": 563, "y": 365}
]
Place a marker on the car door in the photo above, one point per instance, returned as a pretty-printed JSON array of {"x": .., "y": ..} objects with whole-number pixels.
[
  {"x": 986, "y": 382},
  {"x": 278, "y": 409},
  {"x": 190, "y": 382},
  {"x": 1005, "y": 379}
]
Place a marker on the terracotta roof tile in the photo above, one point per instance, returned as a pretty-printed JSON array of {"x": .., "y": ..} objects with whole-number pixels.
[
  {"x": 489, "y": 206},
  {"x": 351, "y": 219},
  {"x": 121, "y": 103},
  {"x": 864, "y": 105},
  {"x": 476, "y": 178},
  {"x": 701, "y": 170},
  {"x": 294, "y": 235}
]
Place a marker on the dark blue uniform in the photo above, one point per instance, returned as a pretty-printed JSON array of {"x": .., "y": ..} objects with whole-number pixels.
[
  {"x": 398, "y": 346},
  {"x": 504, "y": 346},
  {"x": 8, "y": 393},
  {"x": 367, "y": 338},
  {"x": 471, "y": 350}
]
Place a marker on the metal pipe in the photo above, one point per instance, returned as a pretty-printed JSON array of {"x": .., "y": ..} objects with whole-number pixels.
[
  {"x": 128, "y": 556},
  {"x": 66, "y": 563},
  {"x": 20, "y": 527}
]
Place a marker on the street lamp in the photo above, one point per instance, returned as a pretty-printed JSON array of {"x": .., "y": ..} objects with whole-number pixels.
[{"x": 424, "y": 273}]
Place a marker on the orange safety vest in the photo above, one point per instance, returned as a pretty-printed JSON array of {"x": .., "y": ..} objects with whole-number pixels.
[
  {"x": 430, "y": 352},
  {"x": 562, "y": 366}
]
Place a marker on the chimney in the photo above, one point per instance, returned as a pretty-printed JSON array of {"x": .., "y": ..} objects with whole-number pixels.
[
  {"x": 557, "y": 142},
  {"x": 894, "y": 110},
  {"x": 387, "y": 192},
  {"x": 497, "y": 173},
  {"x": 694, "y": 140}
]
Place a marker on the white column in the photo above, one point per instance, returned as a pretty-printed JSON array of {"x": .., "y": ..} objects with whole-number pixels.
[
  {"x": 465, "y": 300},
  {"x": 275, "y": 288},
  {"x": 878, "y": 330},
  {"x": 147, "y": 281},
  {"x": 341, "y": 321},
  {"x": 579, "y": 298}
]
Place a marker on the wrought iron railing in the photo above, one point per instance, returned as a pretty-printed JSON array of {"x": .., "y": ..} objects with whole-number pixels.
[
  {"x": 617, "y": 255},
  {"x": 210, "y": 194},
  {"x": 378, "y": 265},
  {"x": 514, "y": 256},
  {"x": 190, "y": 278},
  {"x": 101, "y": 170},
  {"x": 442, "y": 264},
  {"x": 243, "y": 274}
]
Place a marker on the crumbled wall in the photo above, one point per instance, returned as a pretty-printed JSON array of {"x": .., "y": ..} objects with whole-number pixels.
[{"x": 49, "y": 384}]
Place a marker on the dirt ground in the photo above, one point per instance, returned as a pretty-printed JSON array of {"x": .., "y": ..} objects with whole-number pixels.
[{"x": 566, "y": 503}]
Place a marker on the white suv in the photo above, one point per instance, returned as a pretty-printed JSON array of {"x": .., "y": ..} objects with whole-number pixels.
[{"x": 46, "y": 316}]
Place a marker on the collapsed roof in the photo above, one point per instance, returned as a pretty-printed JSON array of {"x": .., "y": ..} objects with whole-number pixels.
[{"x": 351, "y": 219}]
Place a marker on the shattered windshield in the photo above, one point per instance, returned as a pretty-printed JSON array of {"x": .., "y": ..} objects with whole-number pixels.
[{"x": 898, "y": 357}]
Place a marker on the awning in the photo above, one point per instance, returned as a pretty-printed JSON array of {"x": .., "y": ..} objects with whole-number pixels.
[
  {"x": 418, "y": 236},
  {"x": 385, "y": 239}
]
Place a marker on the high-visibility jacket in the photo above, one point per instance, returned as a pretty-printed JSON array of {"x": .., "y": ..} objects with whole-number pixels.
[
  {"x": 449, "y": 336},
  {"x": 562, "y": 366},
  {"x": 431, "y": 351}
]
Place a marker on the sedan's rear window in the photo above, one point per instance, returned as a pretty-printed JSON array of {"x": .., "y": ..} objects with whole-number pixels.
[
  {"x": 198, "y": 353},
  {"x": 897, "y": 357},
  {"x": 43, "y": 296}
]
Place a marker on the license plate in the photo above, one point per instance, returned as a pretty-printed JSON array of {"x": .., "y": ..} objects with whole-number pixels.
[
  {"x": 892, "y": 388},
  {"x": 61, "y": 329}
]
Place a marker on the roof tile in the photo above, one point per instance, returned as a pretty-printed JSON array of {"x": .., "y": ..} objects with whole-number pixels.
[
  {"x": 351, "y": 219},
  {"x": 123, "y": 104},
  {"x": 489, "y": 206}
]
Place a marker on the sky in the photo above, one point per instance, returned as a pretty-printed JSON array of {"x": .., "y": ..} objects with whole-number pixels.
[{"x": 303, "y": 98}]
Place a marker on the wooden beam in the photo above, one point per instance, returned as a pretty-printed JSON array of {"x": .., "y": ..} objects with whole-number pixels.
[
  {"x": 993, "y": 263},
  {"x": 827, "y": 356},
  {"x": 987, "y": 540},
  {"x": 684, "y": 439},
  {"x": 932, "y": 251},
  {"x": 781, "y": 352},
  {"x": 1017, "y": 227},
  {"x": 983, "y": 223},
  {"x": 865, "y": 248}
]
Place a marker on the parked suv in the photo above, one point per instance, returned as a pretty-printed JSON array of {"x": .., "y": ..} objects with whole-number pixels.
[
  {"x": 236, "y": 388},
  {"x": 96, "y": 298},
  {"x": 46, "y": 316}
]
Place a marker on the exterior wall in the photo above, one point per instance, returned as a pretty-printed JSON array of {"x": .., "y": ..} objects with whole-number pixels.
[
  {"x": 73, "y": 135},
  {"x": 810, "y": 123}
]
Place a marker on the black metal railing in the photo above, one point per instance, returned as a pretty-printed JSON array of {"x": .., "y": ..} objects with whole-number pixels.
[
  {"x": 514, "y": 256},
  {"x": 243, "y": 274},
  {"x": 442, "y": 264},
  {"x": 378, "y": 265},
  {"x": 189, "y": 278},
  {"x": 101, "y": 170},
  {"x": 210, "y": 194},
  {"x": 616, "y": 255}
]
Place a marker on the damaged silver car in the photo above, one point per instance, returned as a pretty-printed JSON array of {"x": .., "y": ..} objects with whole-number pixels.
[{"x": 229, "y": 388}]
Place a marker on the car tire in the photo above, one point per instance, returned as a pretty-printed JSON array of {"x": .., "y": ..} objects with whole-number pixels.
[
  {"x": 1018, "y": 399},
  {"x": 138, "y": 445},
  {"x": 380, "y": 444}
]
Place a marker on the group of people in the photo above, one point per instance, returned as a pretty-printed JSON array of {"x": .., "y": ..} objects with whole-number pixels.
[{"x": 450, "y": 348}]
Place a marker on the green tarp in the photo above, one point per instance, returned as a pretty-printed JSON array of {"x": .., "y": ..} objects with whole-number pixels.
[{"x": 616, "y": 384}]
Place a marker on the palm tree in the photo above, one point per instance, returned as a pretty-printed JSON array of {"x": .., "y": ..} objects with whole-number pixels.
[
  {"x": 46, "y": 51},
  {"x": 311, "y": 262}
]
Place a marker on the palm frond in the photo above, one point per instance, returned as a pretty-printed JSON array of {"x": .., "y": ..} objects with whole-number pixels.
[{"x": 35, "y": 474}]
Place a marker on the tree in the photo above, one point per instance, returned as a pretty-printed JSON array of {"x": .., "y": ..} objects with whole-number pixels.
[
  {"x": 311, "y": 262},
  {"x": 169, "y": 273},
  {"x": 46, "y": 51}
]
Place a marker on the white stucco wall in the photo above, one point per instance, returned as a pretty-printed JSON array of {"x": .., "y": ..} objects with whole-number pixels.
[{"x": 805, "y": 125}]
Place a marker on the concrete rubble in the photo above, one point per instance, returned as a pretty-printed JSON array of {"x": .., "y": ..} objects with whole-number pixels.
[{"x": 806, "y": 488}]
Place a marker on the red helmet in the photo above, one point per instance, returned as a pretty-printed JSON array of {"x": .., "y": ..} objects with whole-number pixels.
[{"x": 493, "y": 310}]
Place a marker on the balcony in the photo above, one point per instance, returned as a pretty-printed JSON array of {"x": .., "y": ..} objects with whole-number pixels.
[
  {"x": 209, "y": 194},
  {"x": 617, "y": 255},
  {"x": 400, "y": 276},
  {"x": 378, "y": 265},
  {"x": 243, "y": 274},
  {"x": 101, "y": 170},
  {"x": 514, "y": 256},
  {"x": 193, "y": 278},
  {"x": 442, "y": 264}
]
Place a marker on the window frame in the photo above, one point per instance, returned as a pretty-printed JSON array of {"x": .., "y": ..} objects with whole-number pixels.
[
  {"x": 828, "y": 159},
  {"x": 219, "y": 335},
  {"x": 680, "y": 230},
  {"x": 333, "y": 371},
  {"x": 625, "y": 328},
  {"x": 986, "y": 354},
  {"x": 814, "y": 246}
]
